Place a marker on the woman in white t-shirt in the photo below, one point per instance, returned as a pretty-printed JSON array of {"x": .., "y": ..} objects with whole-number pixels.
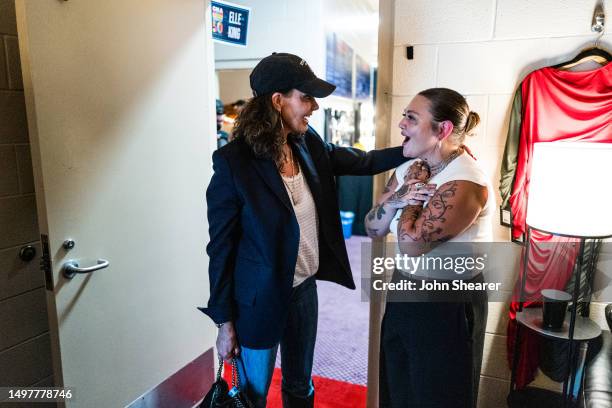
[{"x": 431, "y": 351}]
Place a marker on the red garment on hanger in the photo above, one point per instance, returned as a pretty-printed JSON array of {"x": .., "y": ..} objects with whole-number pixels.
[
  {"x": 559, "y": 105},
  {"x": 556, "y": 105}
]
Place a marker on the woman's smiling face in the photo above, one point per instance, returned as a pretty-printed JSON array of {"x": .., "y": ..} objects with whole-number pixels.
[
  {"x": 416, "y": 128},
  {"x": 296, "y": 109}
]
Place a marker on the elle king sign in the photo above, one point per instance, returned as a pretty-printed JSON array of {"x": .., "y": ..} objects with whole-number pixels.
[{"x": 230, "y": 23}]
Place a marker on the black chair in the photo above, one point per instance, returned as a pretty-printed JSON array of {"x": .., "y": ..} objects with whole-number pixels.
[{"x": 597, "y": 386}]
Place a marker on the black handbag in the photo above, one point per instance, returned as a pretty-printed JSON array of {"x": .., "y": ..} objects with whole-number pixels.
[{"x": 221, "y": 396}]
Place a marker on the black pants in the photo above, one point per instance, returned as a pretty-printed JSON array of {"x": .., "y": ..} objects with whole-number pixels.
[{"x": 431, "y": 353}]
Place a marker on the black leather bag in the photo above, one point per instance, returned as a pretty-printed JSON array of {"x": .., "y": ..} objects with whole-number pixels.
[{"x": 221, "y": 396}]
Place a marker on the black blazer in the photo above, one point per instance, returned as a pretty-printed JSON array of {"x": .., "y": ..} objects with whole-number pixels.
[{"x": 254, "y": 233}]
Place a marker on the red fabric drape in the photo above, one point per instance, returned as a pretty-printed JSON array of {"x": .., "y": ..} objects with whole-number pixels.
[
  {"x": 557, "y": 105},
  {"x": 551, "y": 260}
]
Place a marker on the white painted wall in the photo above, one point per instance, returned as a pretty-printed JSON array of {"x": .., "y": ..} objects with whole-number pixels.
[{"x": 483, "y": 49}]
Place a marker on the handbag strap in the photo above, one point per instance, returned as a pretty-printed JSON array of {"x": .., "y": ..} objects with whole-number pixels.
[
  {"x": 235, "y": 374},
  {"x": 220, "y": 369}
]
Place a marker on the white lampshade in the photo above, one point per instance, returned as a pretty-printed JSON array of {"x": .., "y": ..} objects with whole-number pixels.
[{"x": 570, "y": 191}]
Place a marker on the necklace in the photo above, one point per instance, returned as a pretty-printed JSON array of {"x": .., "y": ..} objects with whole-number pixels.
[
  {"x": 293, "y": 182},
  {"x": 433, "y": 170}
]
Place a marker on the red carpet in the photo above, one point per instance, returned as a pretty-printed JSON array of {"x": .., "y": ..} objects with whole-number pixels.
[{"x": 328, "y": 393}]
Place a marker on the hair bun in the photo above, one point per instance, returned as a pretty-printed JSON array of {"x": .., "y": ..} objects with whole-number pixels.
[{"x": 473, "y": 119}]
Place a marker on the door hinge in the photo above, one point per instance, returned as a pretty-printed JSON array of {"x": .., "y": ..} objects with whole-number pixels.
[{"x": 45, "y": 261}]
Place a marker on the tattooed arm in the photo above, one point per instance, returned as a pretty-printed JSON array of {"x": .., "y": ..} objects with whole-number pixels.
[
  {"x": 453, "y": 208},
  {"x": 379, "y": 218}
]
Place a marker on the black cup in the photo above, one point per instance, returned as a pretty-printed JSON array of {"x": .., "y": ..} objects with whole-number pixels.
[{"x": 554, "y": 307}]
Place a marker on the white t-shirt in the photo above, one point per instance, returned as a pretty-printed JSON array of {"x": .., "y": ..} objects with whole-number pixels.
[{"x": 465, "y": 168}]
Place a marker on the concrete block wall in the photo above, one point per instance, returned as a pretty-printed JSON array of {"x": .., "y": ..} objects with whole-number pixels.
[
  {"x": 24, "y": 334},
  {"x": 483, "y": 49}
]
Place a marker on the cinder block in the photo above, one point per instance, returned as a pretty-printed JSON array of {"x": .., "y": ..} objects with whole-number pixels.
[
  {"x": 8, "y": 19},
  {"x": 14, "y": 63},
  {"x": 490, "y": 160},
  {"x": 489, "y": 68},
  {"x": 500, "y": 106},
  {"x": 431, "y": 22},
  {"x": 500, "y": 233},
  {"x": 478, "y": 104},
  {"x": 24, "y": 166},
  {"x": 17, "y": 276},
  {"x": 3, "y": 71},
  {"x": 412, "y": 76},
  {"x": 494, "y": 361},
  {"x": 27, "y": 363},
  {"x": 497, "y": 318},
  {"x": 23, "y": 317},
  {"x": 544, "y": 18},
  {"x": 559, "y": 50},
  {"x": 19, "y": 221},
  {"x": 492, "y": 392},
  {"x": 602, "y": 282},
  {"x": 13, "y": 120},
  {"x": 9, "y": 180}
]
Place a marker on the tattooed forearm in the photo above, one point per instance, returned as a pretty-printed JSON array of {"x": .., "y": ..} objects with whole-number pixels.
[
  {"x": 428, "y": 225},
  {"x": 406, "y": 222},
  {"x": 377, "y": 212},
  {"x": 380, "y": 211},
  {"x": 396, "y": 198},
  {"x": 389, "y": 184}
]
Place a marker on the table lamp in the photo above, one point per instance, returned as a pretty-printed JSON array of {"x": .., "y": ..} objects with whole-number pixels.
[
  {"x": 569, "y": 195},
  {"x": 570, "y": 192}
]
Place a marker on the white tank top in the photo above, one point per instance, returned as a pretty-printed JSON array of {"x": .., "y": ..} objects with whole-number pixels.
[{"x": 465, "y": 168}]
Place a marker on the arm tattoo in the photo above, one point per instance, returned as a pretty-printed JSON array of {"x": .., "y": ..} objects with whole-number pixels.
[
  {"x": 376, "y": 212},
  {"x": 407, "y": 219},
  {"x": 403, "y": 190},
  {"x": 380, "y": 212},
  {"x": 433, "y": 217},
  {"x": 389, "y": 182}
]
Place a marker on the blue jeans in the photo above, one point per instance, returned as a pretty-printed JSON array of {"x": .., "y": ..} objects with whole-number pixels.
[{"x": 297, "y": 350}]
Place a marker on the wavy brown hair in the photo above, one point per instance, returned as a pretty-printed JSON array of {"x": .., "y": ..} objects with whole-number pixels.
[{"x": 259, "y": 125}]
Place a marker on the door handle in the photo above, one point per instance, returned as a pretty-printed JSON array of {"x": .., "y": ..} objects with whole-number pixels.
[{"x": 71, "y": 268}]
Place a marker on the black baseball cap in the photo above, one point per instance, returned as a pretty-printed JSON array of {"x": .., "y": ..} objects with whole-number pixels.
[{"x": 282, "y": 72}]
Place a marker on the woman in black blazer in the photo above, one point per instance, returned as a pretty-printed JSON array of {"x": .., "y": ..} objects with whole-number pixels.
[{"x": 274, "y": 228}]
